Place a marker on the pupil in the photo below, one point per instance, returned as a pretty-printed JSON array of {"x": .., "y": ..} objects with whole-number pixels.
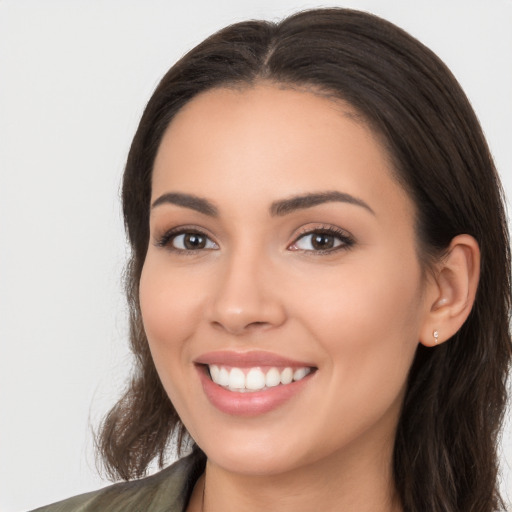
[
  {"x": 321, "y": 241},
  {"x": 194, "y": 241}
]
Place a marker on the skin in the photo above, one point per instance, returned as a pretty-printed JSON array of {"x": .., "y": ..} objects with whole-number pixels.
[{"x": 356, "y": 312}]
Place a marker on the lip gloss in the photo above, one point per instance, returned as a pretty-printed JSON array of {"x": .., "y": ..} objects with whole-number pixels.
[{"x": 249, "y": 403}]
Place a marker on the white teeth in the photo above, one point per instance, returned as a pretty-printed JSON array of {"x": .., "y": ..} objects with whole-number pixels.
[
  {"x": 223, "y": 377},
  {"x": 255, "y": 379},
  {"x": 214, "y": 372},
  {"x": 300, "y": 373},
  {"x": 236, "y": 379},
  {"x": 273, "y": 378},
  {"x": 286, "y": 376}
]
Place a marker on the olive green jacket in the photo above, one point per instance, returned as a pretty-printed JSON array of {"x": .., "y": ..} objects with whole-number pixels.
[{"x": 166, "y": 491}]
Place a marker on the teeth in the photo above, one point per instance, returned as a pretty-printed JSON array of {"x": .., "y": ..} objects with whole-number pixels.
[
  {"x": 300, "y": 373},
  {"x": 236, "y": 379},
  {"x": 286, "y": 376},
  {"x": 214, "y": 372},
  {"x": 273, "y": 378},
  {"x": 223, "y": 377},
  {"x": 255, "y": 379}
]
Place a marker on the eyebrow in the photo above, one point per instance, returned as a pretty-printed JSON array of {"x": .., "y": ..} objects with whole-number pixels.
[
  {"x": 198, "y": 204},
  {"x": 277, "y": 208},
  {"x": 286, "y": 206}
]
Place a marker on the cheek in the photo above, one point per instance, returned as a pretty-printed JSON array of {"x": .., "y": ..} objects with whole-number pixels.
[
  {"x": 170, "y": 313},
  {"x": 370, "y": 312},
  {"x": 368, "y": 319},
  {"x": 170, "y": 309}
]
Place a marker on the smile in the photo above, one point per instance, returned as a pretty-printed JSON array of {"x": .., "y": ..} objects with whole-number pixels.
[
  {"x": 251, "y": 383},
  {"x": 243, "y": 380}
]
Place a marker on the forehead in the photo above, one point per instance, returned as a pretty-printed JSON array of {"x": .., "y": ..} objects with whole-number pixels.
[
  {"x": 265, "y": 110},
  {"x": 275, "y": 140}
]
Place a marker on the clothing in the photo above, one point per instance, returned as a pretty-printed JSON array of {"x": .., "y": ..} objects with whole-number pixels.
[{"x": 166, "y": 491}]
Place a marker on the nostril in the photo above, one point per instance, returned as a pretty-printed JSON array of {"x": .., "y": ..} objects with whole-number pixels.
[
  {"x": 249, "y": 313},
  {"x": 255, "y": 326},
  {"x": 240, "y": 327}
]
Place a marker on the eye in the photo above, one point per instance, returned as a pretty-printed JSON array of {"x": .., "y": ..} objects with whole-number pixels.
[
  {"x": 187, "y": 241},
  {"x": 322, "y": 240},
  {"x": 192, "y": 242}
]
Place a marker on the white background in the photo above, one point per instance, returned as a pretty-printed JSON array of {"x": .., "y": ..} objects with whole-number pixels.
[{"x": 74, "y": 78}]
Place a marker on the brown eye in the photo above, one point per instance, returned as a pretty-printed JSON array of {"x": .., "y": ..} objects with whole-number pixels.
[
  {"x": 192, "y": 242},
  {"x": 322, "y": 241}
]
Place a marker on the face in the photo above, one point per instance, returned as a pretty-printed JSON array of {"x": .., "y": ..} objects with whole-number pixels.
[{"x": 281, "y": 294}]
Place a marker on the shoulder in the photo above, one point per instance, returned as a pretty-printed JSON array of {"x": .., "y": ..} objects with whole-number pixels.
[{"x": 163, "y": 491}]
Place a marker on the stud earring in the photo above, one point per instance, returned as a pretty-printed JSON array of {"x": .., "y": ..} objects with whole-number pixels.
[{"x": 436, "y": 336}]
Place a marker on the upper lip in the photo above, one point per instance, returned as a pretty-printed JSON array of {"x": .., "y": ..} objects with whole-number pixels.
[{"x": 249, "y": 359}]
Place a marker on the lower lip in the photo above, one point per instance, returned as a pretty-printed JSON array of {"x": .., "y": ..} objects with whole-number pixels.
[{"x": 251, "y": 403}]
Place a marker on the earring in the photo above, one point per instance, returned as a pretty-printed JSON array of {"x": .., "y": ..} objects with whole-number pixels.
[{"x": 436, "y": 336}]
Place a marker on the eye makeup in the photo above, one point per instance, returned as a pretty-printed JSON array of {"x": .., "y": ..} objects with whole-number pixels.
[
  {"x": 186, "y": 239},
  {"x": 325, "y": 239}
]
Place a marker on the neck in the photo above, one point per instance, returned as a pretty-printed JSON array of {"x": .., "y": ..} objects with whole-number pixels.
[{"x": 359, "y": 482}]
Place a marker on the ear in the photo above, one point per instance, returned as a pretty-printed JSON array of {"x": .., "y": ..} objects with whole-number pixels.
[{"x": 452, "y": 290}]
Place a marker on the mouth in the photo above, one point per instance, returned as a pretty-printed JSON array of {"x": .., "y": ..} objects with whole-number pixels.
[
  {"x": 257, "y": 378},
  {"x": 251, "y": 383}
]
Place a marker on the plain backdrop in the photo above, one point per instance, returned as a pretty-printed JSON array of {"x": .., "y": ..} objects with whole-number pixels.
[{"x": 74, "y": 79}]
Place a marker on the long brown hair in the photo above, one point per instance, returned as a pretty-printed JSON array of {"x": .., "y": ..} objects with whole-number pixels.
[{"x": 445, "y": 450}]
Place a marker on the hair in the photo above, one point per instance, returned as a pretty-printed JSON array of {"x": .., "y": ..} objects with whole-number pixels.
[{"x": 445, "y": 455}]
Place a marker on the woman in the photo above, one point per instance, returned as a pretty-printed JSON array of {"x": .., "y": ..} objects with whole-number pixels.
[{"x": 319, "y": 282}]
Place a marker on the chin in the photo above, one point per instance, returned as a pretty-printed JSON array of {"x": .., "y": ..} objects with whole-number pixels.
[{"x": 253, "y": 462}]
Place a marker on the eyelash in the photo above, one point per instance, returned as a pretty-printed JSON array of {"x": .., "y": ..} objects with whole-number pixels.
[
  {"x": 346, "y": 240},
  {"x": 169, "y": 236}
]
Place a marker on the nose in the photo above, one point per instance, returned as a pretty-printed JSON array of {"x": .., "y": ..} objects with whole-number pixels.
[{"x": 246, "y": 296}]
